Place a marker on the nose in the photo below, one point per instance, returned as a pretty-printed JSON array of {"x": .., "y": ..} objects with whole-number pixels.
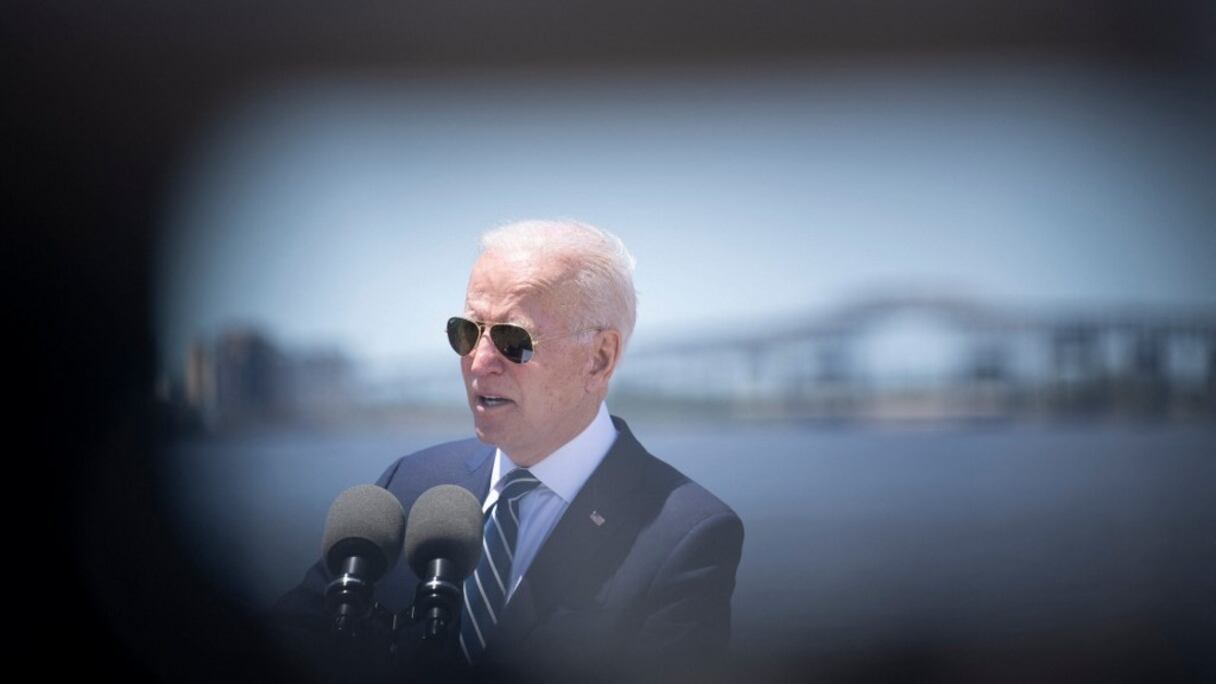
[{"x": 485, "y": 358}]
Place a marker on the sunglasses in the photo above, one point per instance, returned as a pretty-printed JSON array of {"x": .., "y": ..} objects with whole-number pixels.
[{"x": 511, "y": 341}]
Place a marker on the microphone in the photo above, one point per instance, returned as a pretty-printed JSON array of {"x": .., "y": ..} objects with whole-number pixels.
[
  {"x": 443, "y": 547},
  {"x": 362, "y": 541}
]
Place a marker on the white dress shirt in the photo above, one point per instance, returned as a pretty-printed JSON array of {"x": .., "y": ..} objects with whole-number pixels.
[{"x": 561, "y": 474}]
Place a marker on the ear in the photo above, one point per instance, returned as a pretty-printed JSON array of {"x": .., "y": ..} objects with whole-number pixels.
[{"x": 605, "y": 351}]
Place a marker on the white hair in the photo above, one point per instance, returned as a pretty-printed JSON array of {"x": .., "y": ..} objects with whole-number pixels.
[{"x": 595, "y": 261}]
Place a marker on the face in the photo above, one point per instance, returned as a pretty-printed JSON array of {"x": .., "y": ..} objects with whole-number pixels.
[{"x": 528, "y": 410}]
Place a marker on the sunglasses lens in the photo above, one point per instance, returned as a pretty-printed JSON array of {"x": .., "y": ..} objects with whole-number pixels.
[
  {"x": 462, "y": 335},
  {"x": 513, "y": 341}
]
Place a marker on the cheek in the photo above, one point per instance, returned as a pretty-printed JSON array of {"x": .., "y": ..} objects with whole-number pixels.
[{"x": 562, "y": 388}]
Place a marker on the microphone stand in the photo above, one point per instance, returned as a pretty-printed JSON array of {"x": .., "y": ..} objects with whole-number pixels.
[
  {"x": 368, "y": 643},
  {"x": 361, "y": 631},
  {"x": 427, "y": 633}
]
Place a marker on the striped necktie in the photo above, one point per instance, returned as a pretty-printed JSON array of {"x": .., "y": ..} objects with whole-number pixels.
[{"x": 485, "y": 591}]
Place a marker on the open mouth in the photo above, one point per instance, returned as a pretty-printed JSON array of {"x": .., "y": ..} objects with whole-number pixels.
[{"x": 491, "y": 401}]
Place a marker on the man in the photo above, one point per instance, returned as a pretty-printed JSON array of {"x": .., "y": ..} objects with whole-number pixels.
[{"x": 598, "y": 560}]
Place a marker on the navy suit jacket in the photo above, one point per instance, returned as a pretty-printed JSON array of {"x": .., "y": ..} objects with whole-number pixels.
[{"x": 646, "y": 589}]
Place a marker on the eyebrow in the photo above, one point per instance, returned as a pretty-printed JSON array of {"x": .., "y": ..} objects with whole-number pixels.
[{"x": 529, "y": 325}]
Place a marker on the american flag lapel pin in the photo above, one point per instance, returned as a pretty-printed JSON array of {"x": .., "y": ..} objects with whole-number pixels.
[{"x": 597, "y": 518}]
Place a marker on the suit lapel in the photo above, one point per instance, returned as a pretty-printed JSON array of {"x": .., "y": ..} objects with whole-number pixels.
[
  {"x": 479, "y": 467},
  {"x": 599, "y": 514}
]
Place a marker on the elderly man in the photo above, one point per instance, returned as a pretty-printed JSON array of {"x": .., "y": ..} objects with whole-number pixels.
[{"x": 617, "y": 564}]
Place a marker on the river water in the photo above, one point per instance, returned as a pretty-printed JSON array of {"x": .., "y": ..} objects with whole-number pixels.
[{"x": 912, "y": 550}]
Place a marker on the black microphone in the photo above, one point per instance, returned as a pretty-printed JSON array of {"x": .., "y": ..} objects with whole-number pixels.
[
  {"x": 362, "y": 541},
  {"x": 443, "y": 547}
]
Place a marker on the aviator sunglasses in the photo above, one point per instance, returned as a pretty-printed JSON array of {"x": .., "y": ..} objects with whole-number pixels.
[{"x": 511, "y": 341}]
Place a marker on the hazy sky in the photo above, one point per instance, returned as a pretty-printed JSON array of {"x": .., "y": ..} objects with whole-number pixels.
[{"x": 346, "y": 211}]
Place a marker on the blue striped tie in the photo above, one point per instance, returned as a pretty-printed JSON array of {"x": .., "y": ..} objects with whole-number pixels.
[{"x": 485, "y": 591}]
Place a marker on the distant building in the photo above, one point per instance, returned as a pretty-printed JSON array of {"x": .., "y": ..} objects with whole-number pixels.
[
  {"x": 318, "y": 384},
  {"x": 200, "y": 382},
  {"x": 243, "y": 378},
  {"x": 248, "y": 371}
]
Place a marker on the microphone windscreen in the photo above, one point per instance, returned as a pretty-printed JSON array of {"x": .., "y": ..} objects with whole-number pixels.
[
  {"x": 445, "y": 522},
  {"x": 366, "y": 521}
]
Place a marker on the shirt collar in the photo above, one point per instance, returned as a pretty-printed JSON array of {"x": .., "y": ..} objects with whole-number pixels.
[{"x": 566, "y": 470}]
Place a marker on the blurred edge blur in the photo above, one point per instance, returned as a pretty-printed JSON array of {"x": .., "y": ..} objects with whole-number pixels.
[{"x": 107, "y": 104}]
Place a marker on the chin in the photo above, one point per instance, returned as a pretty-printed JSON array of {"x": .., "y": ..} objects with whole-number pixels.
[
  {"x": 487, "y": 435},
  {"x": 481, "y": 434}
]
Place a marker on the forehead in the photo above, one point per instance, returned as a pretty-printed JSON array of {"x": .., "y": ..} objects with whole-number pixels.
[{"x": 505, "y": 288}]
